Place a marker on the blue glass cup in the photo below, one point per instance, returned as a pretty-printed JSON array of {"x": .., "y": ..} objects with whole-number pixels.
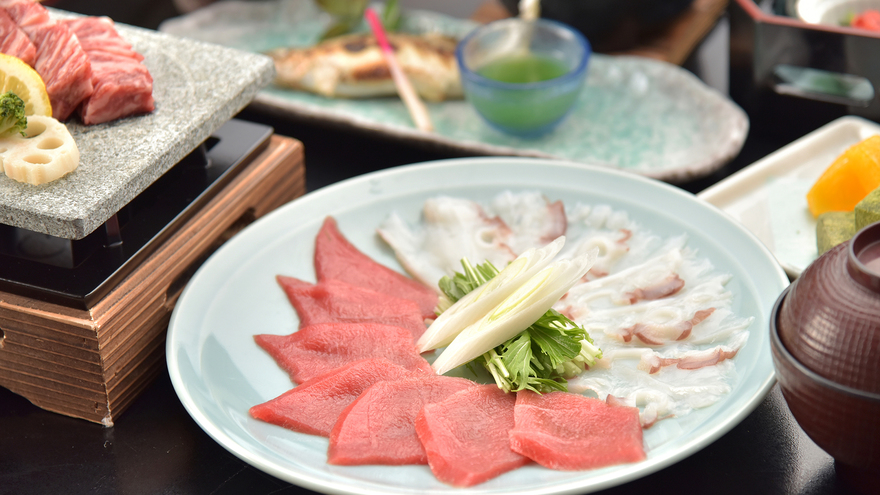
[{"x": 504, "y": 66}]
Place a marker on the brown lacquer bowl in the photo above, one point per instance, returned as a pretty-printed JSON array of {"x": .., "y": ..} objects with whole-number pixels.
[{"x": 825, "y": 337}]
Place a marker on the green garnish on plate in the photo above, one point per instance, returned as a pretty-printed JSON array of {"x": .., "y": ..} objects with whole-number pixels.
[{"x": 541, "y": 357}]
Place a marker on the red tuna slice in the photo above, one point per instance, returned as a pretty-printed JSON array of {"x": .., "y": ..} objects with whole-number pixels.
[
  {"x": 335, "y": 301},
  {"x": 567, "y": 431},
  {"x": 338, "y": 259},
  {"x": 314, "y": 406},
  {"x": 318, "y": 349},
  {"x": 379, "y": 427},
  {"x": 466, "y": 436}
]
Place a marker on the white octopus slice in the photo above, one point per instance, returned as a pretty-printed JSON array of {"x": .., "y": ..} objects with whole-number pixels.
[
  {"x": 669, "y": 392},
  {"x": 621, "y": 242},
  {"x": 451, "y": 229},
  {"x": 533, "y": 220},
  {"x": 651, "y": 280},
  {"x": 705, "y": 307},
  {"x": 652, "y": 361}
]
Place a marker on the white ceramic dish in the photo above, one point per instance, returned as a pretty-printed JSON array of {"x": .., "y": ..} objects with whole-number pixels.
[
  {"x": 769, "y": 196},
  {"x": 829, "y": 12},
  {"x": 219, "y": 372},
  {"x": 634, "y": 113}
]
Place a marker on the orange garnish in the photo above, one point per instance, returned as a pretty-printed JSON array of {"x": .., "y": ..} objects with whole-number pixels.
[{"x": 848, "y": 180}]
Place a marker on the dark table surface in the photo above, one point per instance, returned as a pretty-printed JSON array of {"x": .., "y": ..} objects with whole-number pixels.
[{"x": 155, "y": 447}]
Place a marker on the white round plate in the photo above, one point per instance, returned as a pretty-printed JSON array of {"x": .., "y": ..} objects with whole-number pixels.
[{"x": 219, "y": 372}]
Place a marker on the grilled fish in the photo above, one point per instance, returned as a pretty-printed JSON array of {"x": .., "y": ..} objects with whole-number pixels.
[{"x": 352, "y": 66}]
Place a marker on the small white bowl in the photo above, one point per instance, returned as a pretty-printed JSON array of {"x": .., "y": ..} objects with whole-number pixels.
[{"x": 829, "y": 12}]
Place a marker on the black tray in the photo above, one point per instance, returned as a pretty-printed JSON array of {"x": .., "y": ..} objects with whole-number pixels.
[{"x": 78, "y": 273}]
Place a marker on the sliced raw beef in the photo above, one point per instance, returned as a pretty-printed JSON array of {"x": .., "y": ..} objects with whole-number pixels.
[
  {"x": 61, "y": 60},
  {"x": 338, "y": 259},
  {"x": 122, "y": 84},
  {"x": 27, "y": 14},
  {"x": 64, "y": 67},
  {"x": 13, "y": 41},
  {"x": 566, "y": 431},
  {"x": 334, "y": 301},
  {"x": 99, "y": 34},
  {"x": 318, "y": 349},
  {"x": 466, "y": 436},
  {"x": 314, "y": 406},
  {"x": 379, "y": 426}
]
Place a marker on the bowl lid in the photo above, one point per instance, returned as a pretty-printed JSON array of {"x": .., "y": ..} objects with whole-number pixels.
[
  {"x": 863, "y": 258},
  {"x": 830, "y": 320}
]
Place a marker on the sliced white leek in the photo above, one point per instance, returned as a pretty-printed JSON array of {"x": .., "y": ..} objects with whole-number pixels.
[
  {"x": 45, "y": 154},
  {"x": 515, "y": 313},
  {"x": 481, "y": 300}
]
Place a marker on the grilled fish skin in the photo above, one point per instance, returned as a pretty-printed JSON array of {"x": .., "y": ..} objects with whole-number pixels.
[{"x": 352, "y": 66}]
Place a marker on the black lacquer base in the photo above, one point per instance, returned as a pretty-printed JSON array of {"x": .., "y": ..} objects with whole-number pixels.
[{"x": 78, "y": 273}]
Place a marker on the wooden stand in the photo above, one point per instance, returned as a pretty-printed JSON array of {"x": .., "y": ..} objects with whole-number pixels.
[{"x": 93, "y": 364}]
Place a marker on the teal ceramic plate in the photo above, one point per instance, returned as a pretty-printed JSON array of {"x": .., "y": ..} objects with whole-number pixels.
[
  {"x": 636, "y": 114},
  {"x": 219, "y": 372}
]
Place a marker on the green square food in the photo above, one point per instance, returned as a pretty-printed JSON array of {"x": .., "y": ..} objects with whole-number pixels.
[
  {"x": 868, "y": 210},
  {"x": 833, "y": 228}
]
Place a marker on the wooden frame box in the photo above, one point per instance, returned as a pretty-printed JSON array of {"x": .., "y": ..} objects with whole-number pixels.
[{"x": 92, "y": 364}]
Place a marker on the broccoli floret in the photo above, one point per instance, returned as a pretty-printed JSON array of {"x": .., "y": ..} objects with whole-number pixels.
[{"x": 12, "y": 118}]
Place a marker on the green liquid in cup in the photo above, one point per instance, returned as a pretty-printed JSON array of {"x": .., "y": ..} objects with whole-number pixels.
[
  {"x": 522, "y": 110},
  {"x": 523, "y": 69}
]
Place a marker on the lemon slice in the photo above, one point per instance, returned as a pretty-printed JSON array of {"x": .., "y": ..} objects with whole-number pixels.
[{"x": 21, "y": 79}]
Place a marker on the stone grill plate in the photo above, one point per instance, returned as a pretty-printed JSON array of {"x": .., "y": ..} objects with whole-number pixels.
[{"x": 196, "y": 86}]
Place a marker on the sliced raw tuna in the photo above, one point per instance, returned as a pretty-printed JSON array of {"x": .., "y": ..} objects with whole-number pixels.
[
  {"x": 122, "y": 84},
  {"x": 336, "y": 258},
  {"x": 379, "y": 426},
  {"x": 466, "y": 436},
  {"x": 13, "y": 41},
  {"x": 567, "y": 431},
  {"x": 335, "y": 301},
  {"x": 318, "y": 349},
  {"x": 314, "y": 406}
]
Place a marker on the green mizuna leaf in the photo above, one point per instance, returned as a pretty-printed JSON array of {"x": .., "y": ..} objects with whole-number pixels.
[
  {"x": 542, "y": 355},
  {"x": 515, "y": 313},
  {"x": 479, "y": 289}
]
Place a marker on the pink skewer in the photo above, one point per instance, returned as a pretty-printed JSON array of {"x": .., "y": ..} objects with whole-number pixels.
[{"x": 417, "y": 109}]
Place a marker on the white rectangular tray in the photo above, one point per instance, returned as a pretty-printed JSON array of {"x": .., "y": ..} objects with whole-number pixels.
[{"x": 769, "y": 196}]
